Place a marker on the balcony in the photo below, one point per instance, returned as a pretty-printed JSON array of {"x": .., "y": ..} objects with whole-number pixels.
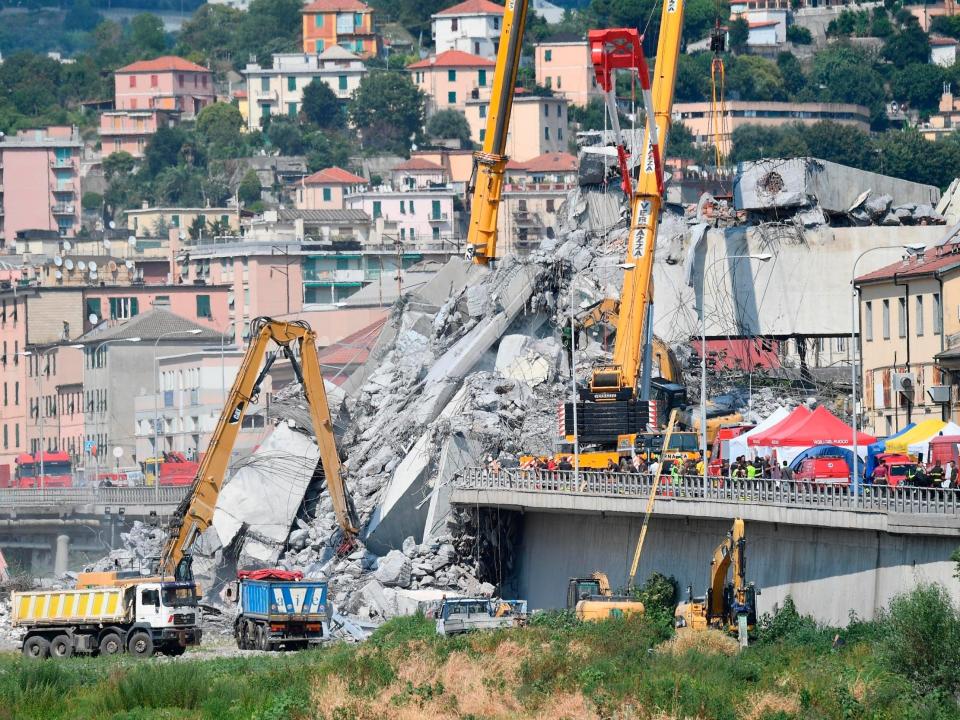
[
  {"x": 266, "y": 95},
  {"x": 524, "y": 218},
  {"x": 62, "y": 163},
  {"x": 439, "y": 217},
  {"x": 64, "y": 190},
  {"x": 64, "y": 209},
  {"x": 334, "y": 276}
]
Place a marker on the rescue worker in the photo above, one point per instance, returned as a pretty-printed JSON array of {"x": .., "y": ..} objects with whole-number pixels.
[
  {"x": 880, "y": 473},
  {"x": 951, "y": 476},
  {"x": 936, "y": 475}
]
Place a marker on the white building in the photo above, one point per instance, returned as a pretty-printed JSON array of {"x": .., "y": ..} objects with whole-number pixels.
[
  {"x": 943, "y": 51},
  {"x": 243, "y": 5},
  {"x": 472, "y": 26},
  {"x": 551, "y": 13},
  {"x": 765, "y": 33},
  {"x": 278, "y": 90}
]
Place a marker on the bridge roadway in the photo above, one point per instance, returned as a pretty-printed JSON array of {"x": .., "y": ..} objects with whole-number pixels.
[
  {"x": 831, "y": 550},
  {"x": 53, "y": 529}
]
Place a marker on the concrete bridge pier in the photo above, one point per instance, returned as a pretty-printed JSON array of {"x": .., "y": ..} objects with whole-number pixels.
[{"x": 62, "y": 555}]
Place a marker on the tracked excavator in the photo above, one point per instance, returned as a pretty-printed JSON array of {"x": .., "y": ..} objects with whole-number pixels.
[
  {"x": 592, "y": 599},
  {"x": 728, "y": 606},
  {"x": 296, "y": 342}
]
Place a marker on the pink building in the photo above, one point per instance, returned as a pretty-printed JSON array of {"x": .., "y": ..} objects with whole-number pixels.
[
  {"x": 130, "y": 130},
  {"x": 417, "y": 173},
  {"x": 327, "y": 188},
  {"x": 167, "y": 83},
  {"x": 451, "y": 78},
  {"x": 408, "y": 215},
  {"x": 563, "y": 65},
  {"x": 40, "y": 181},
  {"x": 13, "y": 377}
]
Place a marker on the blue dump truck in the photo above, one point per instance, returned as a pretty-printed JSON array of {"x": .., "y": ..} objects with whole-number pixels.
[{"x": 279, "y": 610}]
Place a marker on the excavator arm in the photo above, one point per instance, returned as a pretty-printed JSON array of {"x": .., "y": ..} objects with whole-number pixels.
[
  {"x": 723, "y": 556},
  {"x": 297, "y": 342},
  {"x": 489, "y": 164}
]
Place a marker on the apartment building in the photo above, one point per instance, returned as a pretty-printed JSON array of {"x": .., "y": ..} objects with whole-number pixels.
[
  {"x": 563, "y": 65},
  {"x": 347, "y": 23},
  {"x": 451, "y": 78},
  {"x": 698, "y": 117},
  {"x": 278, "y": 90},
  {"x": 533, "y": 193},
  {"x": 40, "y": 181},
  {"x": 326, "y": 189},
  {"x": 472, "y": 26},
  {"x": 947, "y": 118},
  {"x": 167, "y": 83},
  {"x": 418, "y": 173},
  {"x": 910, "y": 340},
  {"x": 538, "y": 125},
  {"x": 409, "y": 215},
  {"x": 157, "y": 221}
]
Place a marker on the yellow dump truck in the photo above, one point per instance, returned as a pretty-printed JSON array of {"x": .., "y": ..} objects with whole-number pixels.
[{"x": 141, "y": 619}]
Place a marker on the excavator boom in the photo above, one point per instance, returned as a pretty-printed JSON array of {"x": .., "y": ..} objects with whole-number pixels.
[
  {"x": 490, "y": 163},
  {"x": 298, "y": 344}
]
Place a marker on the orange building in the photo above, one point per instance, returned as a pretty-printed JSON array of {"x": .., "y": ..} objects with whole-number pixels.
[{"x": 348, "y": 23}]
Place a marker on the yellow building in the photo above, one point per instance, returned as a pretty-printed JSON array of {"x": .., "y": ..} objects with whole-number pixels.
[
  {"x": 909, "y": 324},
  {"x": 538, "y": 125},
  {"x": 563, "y": 64}
]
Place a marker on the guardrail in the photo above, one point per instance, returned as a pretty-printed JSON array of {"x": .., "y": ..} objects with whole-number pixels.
[
  {"x": 789, "y": 493},
  {"x": 78, "y": 496}
]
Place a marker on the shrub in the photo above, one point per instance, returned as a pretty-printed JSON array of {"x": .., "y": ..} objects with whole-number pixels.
[
  {"x": 788, "y": 625},
  {"x": 922, "y": 642}
]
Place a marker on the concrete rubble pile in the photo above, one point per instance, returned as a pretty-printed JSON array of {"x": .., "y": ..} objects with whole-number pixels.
[{"x": 141, "y": 547}]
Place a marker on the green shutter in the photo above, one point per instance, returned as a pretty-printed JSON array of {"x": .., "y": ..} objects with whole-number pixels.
[
  {"x": 319, "y": 20},
  {"x": 292, "y": 110},
  {"x": 452, "y": 75},
  {"x": 203, "y": 306},
  {"x": 93, "y": 307},
  {"x": 327, "y": 195},
  {"x": 377, "y": 211},
  {"x": 291, "y": 83},
  {"x": 482, "y": 78},
  {"x": 452, "y": 98},
  {"x": 134, "y": 307},
  {"x": 342, "y": 80}
]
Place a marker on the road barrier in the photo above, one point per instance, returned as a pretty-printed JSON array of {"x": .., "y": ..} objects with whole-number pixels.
[
  {"x": 78, "y": 496},
  {"x": 791, "y": 493}
]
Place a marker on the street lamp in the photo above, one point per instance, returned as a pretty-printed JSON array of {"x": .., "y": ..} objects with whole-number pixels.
[
  {"x": 156, "y": 403},
  {"x": 762, "y": 257},
  {"x": 96, "y": 351},
  {"x": 911, "y": 249}
]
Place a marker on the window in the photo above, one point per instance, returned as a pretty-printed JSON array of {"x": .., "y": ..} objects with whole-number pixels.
[
  {"x": 318, "y": 21},
  {"x": 436, "y": 233},
  {"x": 6, "y": 437},
  {"x": 133, "y": 103},
  {"x": 546, "y": 133},
  {"x": 203, "y": 80},
  {"x": 436, "y": 210},
  {"x": 180, "y": 79},
  {"x": 496, "y": 23},
  {"x": 559, "y": 107},
  {"x": 93, "y": 308},
  {"x": 483, "y": 111},
  {"x": 150, "y": 597},
  {"x": 292, "y": 110},
  {"x": 886, "y": 320},
  {"x": 559, "y": 83},
  {"x": 411, "y": 207},
  {"x": 482, "y": 78},
  {"x": 16, "y": 396},
  {"x": 265, "y": 84},
  {"x": 549, "y": 82},
  {"x": 550, "y": 205},
  {"x": 225, "y": 219},
  {"x": 203, "y": 306},
  {"x": 547, "y": 55},
  {"x": 358, "y": 46},
  {"x": 476, "y": 47},
  {"x": 403, "y": 234},
  {"x": 291, "y": 83},
  {"x": 16, "y": 436},
  {"x": 483, "y": 134},
  {"x": 357, "y": 19},
  {"x": 327, "y": 194},
  {"x": 902, "y": 317},
  {"x": 452, "y": 97},
  {"x": 403, "y": 207},
  {"x": 175, "y": 220},
  {"x": 455, "y": 24},
  {"x": 919, "y": 317},
  {"x": 546, "y": 111},
  {"x": 6, "y": 399},
  {"x": 452, "y": 75},
  {"x": 133, "y": 81},
  {"x": 318, "y": 46},
  {"x": 937, "y": 315},
  {"x": 342, "y": 82},
  {"x": 377, "y": 209},
  {"x": 559, "y": 133}
]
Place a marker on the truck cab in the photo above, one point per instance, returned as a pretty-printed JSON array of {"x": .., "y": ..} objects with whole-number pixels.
[
  {"x": 824, "y": 470},
  {"x": 167, "y": 611}
]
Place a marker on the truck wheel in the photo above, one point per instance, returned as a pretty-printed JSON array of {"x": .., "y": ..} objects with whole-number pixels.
[
  {"x": 263, "y": 638},
  {"x": 36, "y": 647},
  {"x": 140, "y": 645},
  {"x": 111, "y": 644},
  {"x": 61, "y": 647}
]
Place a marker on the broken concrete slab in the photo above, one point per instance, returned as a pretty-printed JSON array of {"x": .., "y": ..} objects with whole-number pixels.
[{"x": 394, "y": 570}]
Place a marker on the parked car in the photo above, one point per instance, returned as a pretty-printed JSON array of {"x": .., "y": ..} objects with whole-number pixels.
[{"x": 826, "y": 470}]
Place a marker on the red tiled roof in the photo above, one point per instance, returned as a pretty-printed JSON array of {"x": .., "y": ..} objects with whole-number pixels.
[
  {"x": 416, "y": 163},
  {"x": 946, "y": 257},
  {"x": 473, "y": 7},
  {"x": 240, "y": 94},
  {"x": 167, "y": 62},
  {"x": 333, "y": 176},
  {"x": 763, "y": 24},
  {"x": 336, "y": 6},
  {"x": 452, "y": 58},
  {"x": 548, "y": 162},
  {"x": 353, "y": 349},
  {"x": 942, "y": 41}
]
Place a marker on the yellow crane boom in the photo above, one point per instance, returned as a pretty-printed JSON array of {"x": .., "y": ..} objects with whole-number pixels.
[
  {"x": 297, "y": 342},
  {"x": 489, "y": 164}
]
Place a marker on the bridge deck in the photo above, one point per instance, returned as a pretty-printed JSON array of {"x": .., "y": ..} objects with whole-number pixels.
[{"x": 922, "y": 511}]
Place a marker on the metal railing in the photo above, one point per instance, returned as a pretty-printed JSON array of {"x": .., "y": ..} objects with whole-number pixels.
[
  {"x": 788, "y": 493},
  {"x": 78, "y": 496}
]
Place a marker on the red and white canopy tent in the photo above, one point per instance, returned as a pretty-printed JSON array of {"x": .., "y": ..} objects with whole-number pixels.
[{"x": 803, "y": 429}]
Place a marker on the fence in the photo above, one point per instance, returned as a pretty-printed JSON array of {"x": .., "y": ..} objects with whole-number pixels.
[
  {"x": 789, "y": 493},
  {"x": 72, "y": 497}
]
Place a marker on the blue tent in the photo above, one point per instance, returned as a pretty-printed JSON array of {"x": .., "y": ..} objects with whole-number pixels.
[
  {"x": 830, "y": 450},
  {"x": 878, "y": 448}
]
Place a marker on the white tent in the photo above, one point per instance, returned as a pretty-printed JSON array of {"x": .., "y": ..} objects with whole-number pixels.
[
  {"x": 738, "y": 445},
  {"x": 923, "y": 446}
]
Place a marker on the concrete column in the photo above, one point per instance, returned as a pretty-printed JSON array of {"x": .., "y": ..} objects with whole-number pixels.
[{"x": 61, "y": 557}]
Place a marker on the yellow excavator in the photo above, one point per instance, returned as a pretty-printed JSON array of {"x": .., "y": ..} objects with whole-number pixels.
[
  {"x": 297, "y": 343},
  {"x": 592, "y": 599},
  {"x": 728, "y": 606}
]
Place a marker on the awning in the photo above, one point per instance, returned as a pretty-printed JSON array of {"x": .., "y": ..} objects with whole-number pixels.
[
  {"x": 922, "y": 432},
  {"x": 821, "y": 427},
  {"x": 738, "y": 445},
  {"x": 799, "y": 415},
  {"x": 923, "y": 445}
]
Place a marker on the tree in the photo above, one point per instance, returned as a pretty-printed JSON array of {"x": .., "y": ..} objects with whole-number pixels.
[
  {"x": 799, "y": 35},
  {"x": 843, "y": 73},
  {"x": 81, "y": 16},
  {"x": 389, "y": 110},
  {"x": 450, "y": 125},
  {"x": 91, "y": 201},
  {"x": 147, "y": 33},
  {"x": 738, "y": 32},
  {"x": 910, "y": 45},
  {"x": 844, "y": 144},
  {"x": 197, "y": 227},
  {"x": 285, "y": 136},
  {"x": 751, "y": 77},
  {"x": 919, "y": 84},
  {"x": 321, "y": 106},
  {"x": 250, "y": 188},
  {"x": 163, "y": 150},
  {"x": 326, "y": 149},
  {"x": 948, "y": 25},
  {"x": 219, "y": 125},
  {"x": 118, "y": 164},
  {"x": 792, "y": 73},
  {"x": 178, "y": 185}
]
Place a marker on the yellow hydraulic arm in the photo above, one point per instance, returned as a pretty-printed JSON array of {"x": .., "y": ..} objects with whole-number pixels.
[
  {"x": 645, "y": 215},
  {"x": 729, "y": 552},
  {"x": 195, "y": 513},
  {"x": 489, "y": 164}
]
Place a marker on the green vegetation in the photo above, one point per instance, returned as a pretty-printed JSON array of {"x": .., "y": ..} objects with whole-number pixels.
[{"x": 902, "y": 666}]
